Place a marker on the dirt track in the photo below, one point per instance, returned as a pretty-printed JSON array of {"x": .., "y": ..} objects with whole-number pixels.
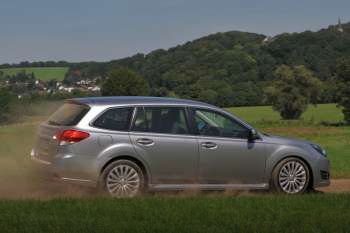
[
  {"x": 338, "y": 186},
  {"x": 48, "y": 189}
]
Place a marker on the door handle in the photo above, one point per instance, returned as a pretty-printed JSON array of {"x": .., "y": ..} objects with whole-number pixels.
[
  {"x": 145, "y": 141},
  {"x": 209, "y": 145}
]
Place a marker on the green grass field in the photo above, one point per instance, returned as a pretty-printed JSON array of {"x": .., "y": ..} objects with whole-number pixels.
[
  {"x": 336, "y": 140},
  {"x": 263, "y": 213},
  {"x": 210, "y": 212},
  {"x": 42, "y": 73},
  {"x": 264, "y": 116},
  {"x": 312, "y": 127}
]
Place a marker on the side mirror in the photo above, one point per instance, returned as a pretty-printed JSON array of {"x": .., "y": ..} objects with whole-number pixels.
[{"x": 253, "y": 135}]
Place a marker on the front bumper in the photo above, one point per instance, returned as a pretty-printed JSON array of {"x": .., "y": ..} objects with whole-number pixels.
[{"x": 321, "y": 173}]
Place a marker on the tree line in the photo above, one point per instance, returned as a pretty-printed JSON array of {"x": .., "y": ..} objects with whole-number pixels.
[
  {"x": 290, "y": 92},
  {"x": 235, "y": 69}
]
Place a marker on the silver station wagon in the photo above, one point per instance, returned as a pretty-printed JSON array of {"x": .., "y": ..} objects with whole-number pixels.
[{"x": 127, "y": 145}]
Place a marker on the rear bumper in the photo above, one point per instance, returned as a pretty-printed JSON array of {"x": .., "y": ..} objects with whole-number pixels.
[
  {"x": 56, "y": 170},
  {"x": 35, "y": 158}
]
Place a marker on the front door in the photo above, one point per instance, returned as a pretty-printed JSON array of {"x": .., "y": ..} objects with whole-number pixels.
[
  {"x": 226, "y": 155},
  {"x": 161, "y": 136}
]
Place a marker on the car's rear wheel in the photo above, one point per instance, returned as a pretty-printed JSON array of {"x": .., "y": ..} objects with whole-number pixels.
[
  {"x": 122, "y": 178},
  {"x": 291, "y": 176}
]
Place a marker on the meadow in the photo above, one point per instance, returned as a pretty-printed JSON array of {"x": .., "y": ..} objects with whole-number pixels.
[
  {"x": 264, "y": 116},
  {"x": 206, "y": 213},
  {"x": 31, "y": 203},
  {"x": 315, "y": 125},
  {"x": 320, "y": 124},
  {"x": 41, "y": 73}
]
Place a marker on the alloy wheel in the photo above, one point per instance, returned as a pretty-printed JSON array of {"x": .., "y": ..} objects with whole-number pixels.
[
  {"x": 123, "y": 181},
  {"x": 292, "y": 177}
]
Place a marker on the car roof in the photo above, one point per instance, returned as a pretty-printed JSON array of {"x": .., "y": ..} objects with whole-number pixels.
[{"x": 138, "y": 100}]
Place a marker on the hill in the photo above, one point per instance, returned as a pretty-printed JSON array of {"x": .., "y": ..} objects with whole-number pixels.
[
  {"x": 42, "y": 73},
  {"x": 230, "y": 68}
]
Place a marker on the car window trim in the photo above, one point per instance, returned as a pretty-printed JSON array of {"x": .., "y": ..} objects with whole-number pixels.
[
  {"x": 190, "y": 114},
  {"x": 136, "y": 110},
  {"x": 133, "y": 117}
]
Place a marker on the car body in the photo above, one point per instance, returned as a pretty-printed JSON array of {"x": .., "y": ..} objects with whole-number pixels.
[{"x": 206, "y": 148}]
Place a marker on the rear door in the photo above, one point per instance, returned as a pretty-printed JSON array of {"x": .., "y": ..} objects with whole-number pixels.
[
  {"x": 161, "y": 136},
  {"x": 69, "y": 114}
]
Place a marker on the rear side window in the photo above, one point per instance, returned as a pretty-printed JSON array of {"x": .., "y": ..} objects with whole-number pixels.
[
  {"x": 169, "y": 120},
  {"x": 68, "y": 114},
  {"x": 115, "y": 119}
]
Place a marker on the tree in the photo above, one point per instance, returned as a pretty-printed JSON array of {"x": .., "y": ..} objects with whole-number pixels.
[
  {"x": 124, "y": 82},
  {"x": 292, "y": 90},
  {"x": 6, "y": 99},
  {"x": 343, "y": 77},
  {"x": 208, "y": 95}
]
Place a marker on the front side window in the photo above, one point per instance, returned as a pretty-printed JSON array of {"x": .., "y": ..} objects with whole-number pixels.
[
  {"x": 115, "y": 119},
  {"x": 211, "y": 123},
  {"x": 169, "y": 120}
]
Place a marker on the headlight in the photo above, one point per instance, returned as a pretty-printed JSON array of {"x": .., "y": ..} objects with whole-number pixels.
[{"x": 319, "y": 149}]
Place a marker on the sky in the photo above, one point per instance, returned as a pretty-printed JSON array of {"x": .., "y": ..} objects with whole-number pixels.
[{"x": 101, "y": 30}]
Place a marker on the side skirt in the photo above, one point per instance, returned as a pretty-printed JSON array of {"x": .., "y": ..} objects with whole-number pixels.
[{"x": 175, "y": 187}]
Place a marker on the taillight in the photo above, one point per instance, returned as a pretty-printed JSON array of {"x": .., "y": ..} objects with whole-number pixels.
[{"x": 71, "y": 136}]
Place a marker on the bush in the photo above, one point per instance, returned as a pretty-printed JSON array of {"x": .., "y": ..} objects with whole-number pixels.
[
  {"x": 6, "y": 101},
  {"x": 343, "y": 77},
  {"x": 124, "y": 82},
  {"x": 292, "y": 90}
]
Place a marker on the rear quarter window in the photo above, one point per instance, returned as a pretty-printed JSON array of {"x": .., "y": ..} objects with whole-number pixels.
[
  {"x": 68, "y": 114},
  {"x": 115, "y": 119}
]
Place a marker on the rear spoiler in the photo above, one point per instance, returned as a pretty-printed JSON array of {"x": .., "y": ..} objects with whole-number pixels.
[{"x": 76, "y": 101}]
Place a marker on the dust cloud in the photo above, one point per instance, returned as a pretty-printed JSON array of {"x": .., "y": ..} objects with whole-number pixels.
[
  {"x": 20, "y": 179},
  {"x": 23, "y": 179}
]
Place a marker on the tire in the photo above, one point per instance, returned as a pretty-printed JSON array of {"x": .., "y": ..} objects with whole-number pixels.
[
  {"x": 122, "y": 178},
  {"x": 291, "y": 176}
]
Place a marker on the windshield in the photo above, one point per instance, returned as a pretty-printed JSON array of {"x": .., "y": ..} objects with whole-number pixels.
[{"x": 68, "y": 114}]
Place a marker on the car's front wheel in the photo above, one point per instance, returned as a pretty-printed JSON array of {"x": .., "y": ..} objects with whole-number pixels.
[
  {"x": 122, "y": 178},
  {"x": 291, "y": 176}
]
